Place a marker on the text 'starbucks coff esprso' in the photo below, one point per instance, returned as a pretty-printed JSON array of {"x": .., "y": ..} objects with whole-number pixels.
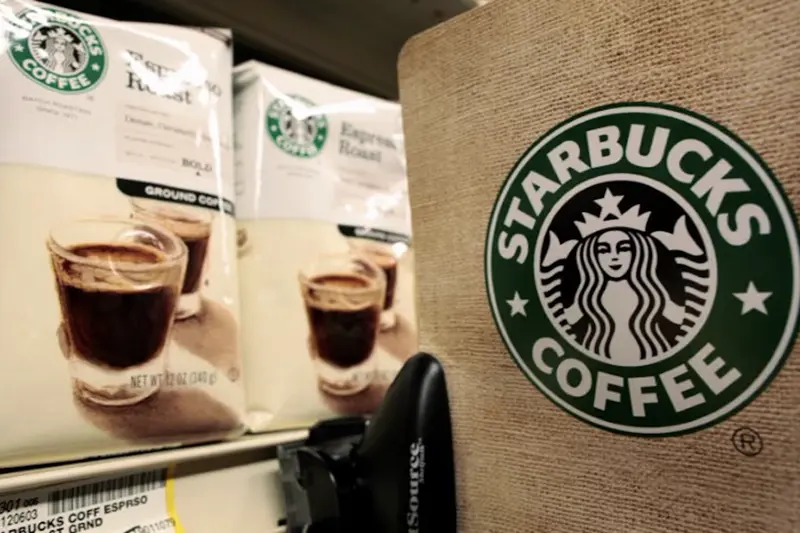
[
  {"x": 324, "y": 247},
  {"x": 119, "y": 314},
  {"x": 604, "y": 197}
]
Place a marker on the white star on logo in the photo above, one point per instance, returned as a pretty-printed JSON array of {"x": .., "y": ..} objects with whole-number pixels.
[
  {"x": 274, "y": 128},
  {"x": 753, "y": 299},
  {"x": 609, "y": 205},
  {"x": 517, "y": 305},
  {"x": 95, "y": 67},
  {"x": 18, "y": 48}
]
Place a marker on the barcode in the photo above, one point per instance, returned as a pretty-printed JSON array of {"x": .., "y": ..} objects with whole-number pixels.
[{"x": 75, "y": 498}]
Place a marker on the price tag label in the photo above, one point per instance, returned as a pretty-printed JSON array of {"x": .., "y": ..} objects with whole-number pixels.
[{"x": 135, "y": 503}]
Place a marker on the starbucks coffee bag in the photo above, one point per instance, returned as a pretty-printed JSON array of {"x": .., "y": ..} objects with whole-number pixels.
[
  {"x": 604, "y": 197},
  {"x": 326, "y": 271},
  {"x": 119, "y": 286}
]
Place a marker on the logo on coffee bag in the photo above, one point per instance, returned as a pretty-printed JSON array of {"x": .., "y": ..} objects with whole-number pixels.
[
  {"x": 296, "y": 126},
  {"x": 57, "y": 50},
  {"x": 642, "y": 269}
]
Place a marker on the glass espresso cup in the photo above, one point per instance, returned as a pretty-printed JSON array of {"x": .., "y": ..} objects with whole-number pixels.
[
  {"x": 118, "y": 285},
  {"x": 343, "y": 296},
  {"x": 193, "y": 226},
  {"x": 384, "y": 256}
]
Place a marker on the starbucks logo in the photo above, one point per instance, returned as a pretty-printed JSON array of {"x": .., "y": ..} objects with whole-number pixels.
[
  {"x": 60, "y": 52},
  {"x": 295, "y": 127},
  {"x": 626, "y": 270},
  {"x": 642, "y": 269}
]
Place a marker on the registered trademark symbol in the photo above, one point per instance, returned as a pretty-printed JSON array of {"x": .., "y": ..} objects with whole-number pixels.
[
  {"x": 747, "y": 442},
  {"x": 233, "y": 374}
]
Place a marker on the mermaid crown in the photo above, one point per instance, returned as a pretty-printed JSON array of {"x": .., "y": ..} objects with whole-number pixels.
[{"x": 611, "y": 217}]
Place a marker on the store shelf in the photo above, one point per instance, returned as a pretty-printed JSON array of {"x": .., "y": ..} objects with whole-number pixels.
[
  {"x": 357, "y": 41},
  {"x": 239, "y": 493},
  {"x": 353, "y": 43},
  {"x": 36, "y": 477}
]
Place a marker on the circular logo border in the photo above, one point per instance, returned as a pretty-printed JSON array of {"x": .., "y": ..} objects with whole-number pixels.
[
  {"x": 782, "y": 205},
  {"x": 48, "y": 9},
  {"x": 306, "y": 101}
]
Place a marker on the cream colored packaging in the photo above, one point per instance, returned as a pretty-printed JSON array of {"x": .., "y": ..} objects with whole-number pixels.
[
  {"x": 604, "y": 199},
  {"x": 326, "y": 270},
  {"x": 120, "y": 294}
]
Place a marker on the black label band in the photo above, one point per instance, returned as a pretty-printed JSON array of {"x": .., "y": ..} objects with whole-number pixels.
[
  {"x": 373, "y": 234},
  {"x": 153, "y": 191}
]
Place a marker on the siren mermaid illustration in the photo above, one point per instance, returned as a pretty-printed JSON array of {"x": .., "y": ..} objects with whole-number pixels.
[
  {"x": 299, "y": 130},
  {"x": 621, "y": 309},
  {"x": 58, "y": 50}
]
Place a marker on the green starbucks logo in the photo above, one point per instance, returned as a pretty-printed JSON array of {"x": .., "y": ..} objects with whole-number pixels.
[
  {"x": 60, "y": 52},
  {"x": 642, "y": 269},
  {"x": 295, "y": 127}
]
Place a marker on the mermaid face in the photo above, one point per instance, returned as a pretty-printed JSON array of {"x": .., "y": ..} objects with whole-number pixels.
[
  {"x": 59, "y": 45},
  {"x": 614, "y": 253}
]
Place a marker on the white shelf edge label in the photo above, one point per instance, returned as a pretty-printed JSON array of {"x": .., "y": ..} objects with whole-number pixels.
[{"x": 142, "y": 502}]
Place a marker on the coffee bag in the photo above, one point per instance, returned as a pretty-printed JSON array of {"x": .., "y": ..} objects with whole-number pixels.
[
  {"x": 604, "y": 199},
  {"x": 326, "y": 268},
  {"x": 120, "y": 294}
]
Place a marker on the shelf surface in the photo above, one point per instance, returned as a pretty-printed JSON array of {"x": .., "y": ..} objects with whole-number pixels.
[{"x": 37, "y": 477}]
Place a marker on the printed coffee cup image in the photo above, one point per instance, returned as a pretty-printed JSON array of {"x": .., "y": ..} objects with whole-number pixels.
[
  {"x": 344, "y": 297},
  {"x": 118, "y": 285},
  {"x": 385, "y": 256},
  {"x": 193, "y": 226}
]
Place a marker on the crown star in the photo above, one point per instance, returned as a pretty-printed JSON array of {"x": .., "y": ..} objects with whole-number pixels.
[
  {"x": 611, "y": 217},
  {"x": 609, "y": 204}
]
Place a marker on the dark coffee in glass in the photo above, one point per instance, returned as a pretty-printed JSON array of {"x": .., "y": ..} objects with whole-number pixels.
[
  {"x": 197, "y": 247},
  {"x": 344, "y": 337},
  {"x": 193, "y": 226},
  {"x": 118, "y": 286},
  {"x": 383, "y": 255},
  {"x": 110, "y": 322},
  {"x": 344, "y": 296}
]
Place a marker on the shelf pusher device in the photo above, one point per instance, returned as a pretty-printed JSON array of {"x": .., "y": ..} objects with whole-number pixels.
[{"x": 391, "y": 474}]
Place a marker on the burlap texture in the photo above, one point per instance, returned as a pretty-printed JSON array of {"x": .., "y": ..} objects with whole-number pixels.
[{"x": 477, "y": 92}]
